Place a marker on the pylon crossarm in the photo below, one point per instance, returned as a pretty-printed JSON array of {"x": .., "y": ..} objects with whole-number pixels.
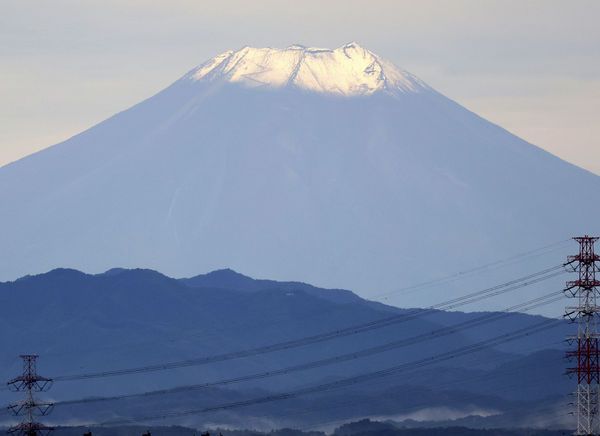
[
  {"x": 34, "y": 382},
  {"x": 43, "y": 385},
  {"x": 16, "y": 408},
  {"x": 17, "y": 384},
  {"x": 45, "y": 409},
  {"x": 571, "y": 292},
  {"x": 586, "y": 283}
]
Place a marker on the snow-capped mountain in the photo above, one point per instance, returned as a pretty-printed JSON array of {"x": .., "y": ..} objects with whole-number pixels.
[
  {"x": 348, "y": 71},
  {"x": 327, "y": 166}
]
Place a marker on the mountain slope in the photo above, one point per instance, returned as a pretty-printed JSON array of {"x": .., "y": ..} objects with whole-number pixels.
[
  {"x": 229, "y": 279},
  {"x": 289, "y": 180}
]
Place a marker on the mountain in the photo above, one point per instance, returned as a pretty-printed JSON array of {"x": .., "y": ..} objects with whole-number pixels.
[
  {"x": 349, "y": 71},
  {"x": 145, "y": 322},
  {"x": 331, "y": 167}
]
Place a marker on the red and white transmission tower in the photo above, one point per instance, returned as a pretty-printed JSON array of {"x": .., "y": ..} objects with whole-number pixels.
[
  {"x": 29, "y": 407},
  {"x": 587, "y": 353}
]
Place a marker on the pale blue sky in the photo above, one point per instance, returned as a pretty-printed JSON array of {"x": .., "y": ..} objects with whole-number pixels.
[{"x": 532, "y": 67}]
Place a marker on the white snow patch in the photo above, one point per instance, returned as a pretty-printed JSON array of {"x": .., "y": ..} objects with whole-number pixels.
[{"x": 350, "y": 70}]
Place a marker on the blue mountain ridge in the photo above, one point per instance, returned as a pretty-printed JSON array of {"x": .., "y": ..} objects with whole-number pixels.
[{"x": 81, "y": 323}]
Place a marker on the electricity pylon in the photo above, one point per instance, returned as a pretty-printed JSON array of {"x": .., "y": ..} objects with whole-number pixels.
[
  {"x": 586, "y": 351},
  {"x": 29, "y": 407}
]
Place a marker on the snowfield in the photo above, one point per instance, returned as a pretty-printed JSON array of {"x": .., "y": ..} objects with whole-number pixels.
[{"x": 348, "y": 71}]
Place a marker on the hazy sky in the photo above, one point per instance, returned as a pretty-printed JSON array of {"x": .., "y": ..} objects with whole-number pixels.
[{"x": 532, "y": 67}]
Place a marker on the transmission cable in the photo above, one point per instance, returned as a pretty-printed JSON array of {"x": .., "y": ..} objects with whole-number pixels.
[
  {"x": 461, "y": 274},
  {"x": 483, "y": 319},
  {"x": 471, "y": 348}
]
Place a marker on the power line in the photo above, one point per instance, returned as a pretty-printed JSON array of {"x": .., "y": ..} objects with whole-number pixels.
[
  {"x": 464, "y": 395},
  {"x": 517, "y": 334},
  {"x": 465, "y": 273},
  {"x": 469, "y": 395},
  {"x": 350, "y": 401},
  {"x": 528, "y": 305},
  {"x": 322, "y": 337}
]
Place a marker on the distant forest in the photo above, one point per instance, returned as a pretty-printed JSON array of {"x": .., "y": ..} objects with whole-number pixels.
[{"x": 361, "y": 428}]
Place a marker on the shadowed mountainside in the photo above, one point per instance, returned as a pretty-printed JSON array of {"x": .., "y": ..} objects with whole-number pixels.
[{"x": 124, "y": 319}]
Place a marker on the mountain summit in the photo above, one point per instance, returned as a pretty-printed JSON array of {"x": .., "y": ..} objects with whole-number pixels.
[{"x": 350, "y": 70}]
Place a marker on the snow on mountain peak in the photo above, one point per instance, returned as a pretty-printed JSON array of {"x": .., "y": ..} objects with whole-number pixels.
[{"x": 350, "y": 70}]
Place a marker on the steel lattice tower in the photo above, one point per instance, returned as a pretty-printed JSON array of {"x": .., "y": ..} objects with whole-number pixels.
[
  {"x": 586, "y": 351},
  {"x": 29, "y": 407}
]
